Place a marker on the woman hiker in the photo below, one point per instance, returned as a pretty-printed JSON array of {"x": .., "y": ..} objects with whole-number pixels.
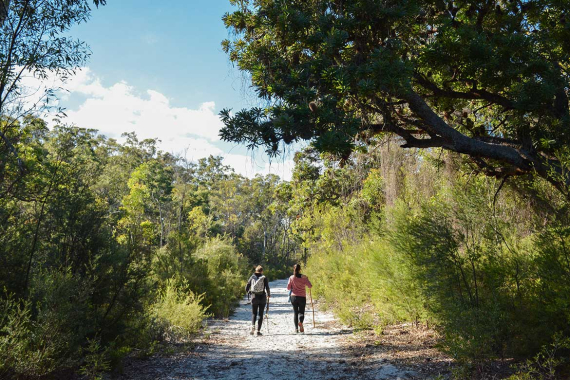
[
  {"x": 297, "y": 283},
  {"x": 257, "y": 286}
]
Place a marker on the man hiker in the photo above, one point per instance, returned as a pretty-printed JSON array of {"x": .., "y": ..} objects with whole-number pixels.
[
  {"x": 258, "y": 286},
  {"x": 297, "y": 283}
]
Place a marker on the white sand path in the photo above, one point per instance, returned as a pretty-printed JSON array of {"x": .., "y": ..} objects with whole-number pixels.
[{"x": 232, "y": 353}]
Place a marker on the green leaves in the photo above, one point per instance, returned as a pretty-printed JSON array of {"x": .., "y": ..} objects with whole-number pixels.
[{"x": 502, "y": 67}]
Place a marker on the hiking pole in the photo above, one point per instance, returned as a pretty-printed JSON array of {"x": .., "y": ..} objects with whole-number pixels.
[
  {"x": 312, "y": 306},
  {"x": 267, "y": 315}
]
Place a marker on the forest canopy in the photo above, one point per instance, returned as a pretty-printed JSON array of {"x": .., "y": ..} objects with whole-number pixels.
[{"x": 485, "y": 79}]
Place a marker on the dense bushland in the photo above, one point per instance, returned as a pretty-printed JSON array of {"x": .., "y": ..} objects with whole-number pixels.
[
  {"x": 482, "y": 260},
  {"x": 106, "y": 248},
  {"x": 109, "y": 249}
]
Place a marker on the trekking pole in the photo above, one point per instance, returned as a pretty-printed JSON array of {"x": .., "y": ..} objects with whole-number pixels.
[
  {"x": 267, "y": 315},
  {"x": 312, "y": 306}
]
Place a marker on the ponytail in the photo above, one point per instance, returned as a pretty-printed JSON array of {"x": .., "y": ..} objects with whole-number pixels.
[{"x": 297, "y": 269}]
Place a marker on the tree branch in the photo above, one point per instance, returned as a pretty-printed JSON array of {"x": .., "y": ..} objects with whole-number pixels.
[
  {"x": 460, "y": 143},
  {"x": 471, "y": 95}
]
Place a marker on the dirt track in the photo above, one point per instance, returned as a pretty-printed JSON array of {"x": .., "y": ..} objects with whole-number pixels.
[{"x": 231, "y": 353}]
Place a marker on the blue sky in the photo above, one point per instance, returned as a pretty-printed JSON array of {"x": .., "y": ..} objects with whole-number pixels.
[{"x": 157, "y": 68}]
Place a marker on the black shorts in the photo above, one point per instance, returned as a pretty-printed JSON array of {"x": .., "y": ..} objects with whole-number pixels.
[{"x": 259, "y": 299}]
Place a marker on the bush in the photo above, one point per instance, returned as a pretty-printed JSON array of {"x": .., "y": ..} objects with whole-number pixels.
[
  {"x": 546, "y": 364},
  {"x": 489, "y": 270},
  {"x": 223, "y": 280},
  {"x": 215, "y": 270},
  {"x": 96, "y": 360},
  {"x": 367, "y": 284},
  {"x": 46, "y": 332},
  {"x": 493, "y": 279},
  {"x": 179, "y": 312},
  {"x": 16, "y": 356}
]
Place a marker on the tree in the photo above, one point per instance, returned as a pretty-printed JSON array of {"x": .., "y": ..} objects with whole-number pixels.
[
  {"x": 34, "y": 41},
  {"x": 487, "y": 79},
  {"x": 150, "y": 190}
]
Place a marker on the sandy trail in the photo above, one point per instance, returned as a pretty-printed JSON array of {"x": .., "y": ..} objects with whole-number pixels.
[{"x": 232, "y": 353}]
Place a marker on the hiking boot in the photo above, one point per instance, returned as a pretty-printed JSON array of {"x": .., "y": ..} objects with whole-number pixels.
[
  {"x": 259, "y": 333},
  {"x": 301, "y": 328},
  {"x": 252, "y": 330}
]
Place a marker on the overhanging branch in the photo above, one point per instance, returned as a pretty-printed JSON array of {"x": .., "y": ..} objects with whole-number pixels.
[
  {"x": 475, "y": 94},
  {"x": 461, "y": 143}
]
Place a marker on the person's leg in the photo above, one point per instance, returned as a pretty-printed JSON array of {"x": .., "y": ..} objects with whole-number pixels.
[
  {"x": 254, "y": 310},
  {"x": 260, "y": 320},
  {"x": 295, "y": 303},
  {"x": 302, "y": 302}
]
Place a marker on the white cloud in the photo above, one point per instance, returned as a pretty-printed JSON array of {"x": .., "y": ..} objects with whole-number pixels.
[
  {"x": 119, "y": 108},
  {"x": 189, "y": 132}
]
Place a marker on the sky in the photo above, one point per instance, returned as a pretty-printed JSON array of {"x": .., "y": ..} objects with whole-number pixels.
[{"x": 157, "y": 68}]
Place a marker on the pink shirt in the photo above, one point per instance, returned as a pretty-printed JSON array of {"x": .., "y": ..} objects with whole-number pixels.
[{"x": 298, "y": 285}]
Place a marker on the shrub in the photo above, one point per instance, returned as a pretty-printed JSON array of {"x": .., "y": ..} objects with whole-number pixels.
[
  {"x": 16, "y": 337},
  {"x": 180, "y": 312},
  {"x": 545, "y": 364},
  {"x": 490, "y": 275},
  {"x": 215, "y": 270},
  {"x": 96, "y": 360},
  {"x": 223, "y": 280},
  {"x": 367, "y": 284},
  {"x": 46, "y": 332}
]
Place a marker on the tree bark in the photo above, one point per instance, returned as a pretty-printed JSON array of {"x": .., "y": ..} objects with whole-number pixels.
[{"x": 518, "y": 160}]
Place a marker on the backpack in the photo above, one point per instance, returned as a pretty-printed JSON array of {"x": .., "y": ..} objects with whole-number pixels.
[{"x": 258, "y": 285}]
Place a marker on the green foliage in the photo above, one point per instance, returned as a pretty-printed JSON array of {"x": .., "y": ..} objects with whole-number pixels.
[
  {"x": 367, "y": 284},
  {"x": 482, "y": 263},
  {"x": 179, "y": 311},
  {"x": 481, "y": 272},
  {"x": 45, "y": 333},
  {"x": 35, "y": 39},
  {"x": 488, "y": 80},
  {"x": 216, "y": 271},
  {"x": 372, "y": 192},
  {"x": 545, "y": 364},
  {"x": 16, "y": 351},
  {"x": 104, "y": 245},
  {"x": 96, "y": 361}
]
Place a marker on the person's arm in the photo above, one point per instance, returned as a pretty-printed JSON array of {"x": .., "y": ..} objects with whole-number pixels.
[
  {"x": 266, "y": 281},
  {"x": 308, "y": 282},
  {"x": 248, "y": 285},
  {"x": 289, "y": 284}
]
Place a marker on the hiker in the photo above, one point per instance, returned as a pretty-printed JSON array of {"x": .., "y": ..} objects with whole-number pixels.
[
  {"x": 297, "y": 283},
  {"x": 258, "y": 285}
]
